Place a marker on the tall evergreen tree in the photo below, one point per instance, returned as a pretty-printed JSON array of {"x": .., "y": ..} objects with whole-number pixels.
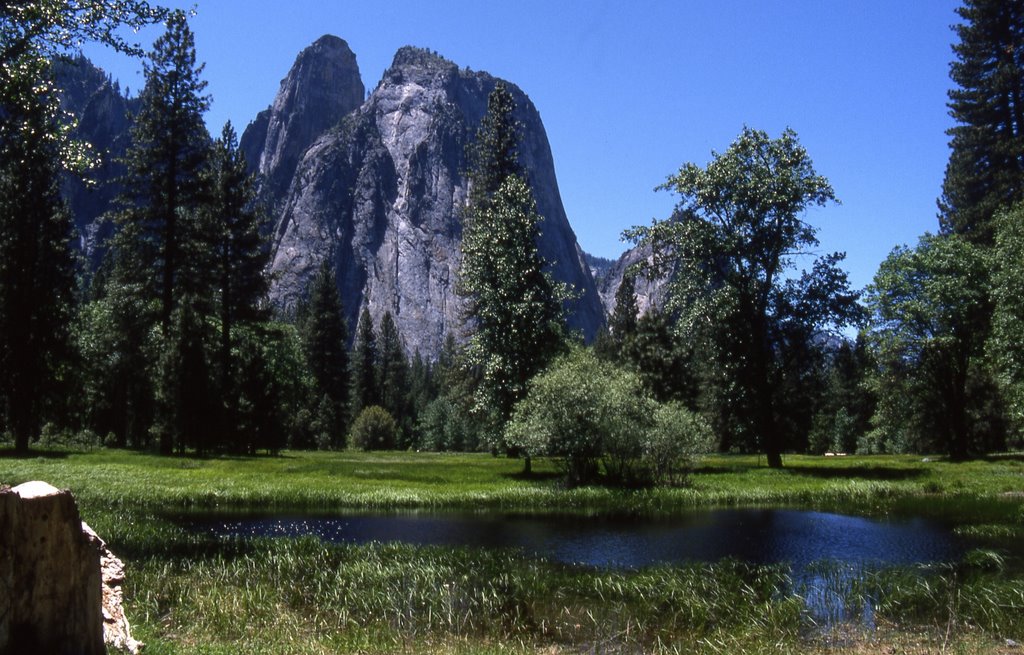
[
  {"x": 163, "y": 242},
  {"x": 393, "y": 374},
  {"x": 241, "y": 258},
  {"x": 622, "y": 325},
  {"x": 326, "y": 345},
  {"x": 36, "y": 271},
  {"x": 986, "y": 166},
  {"x": 365, "y": 392},
  {"x": 514, "y": 307}
]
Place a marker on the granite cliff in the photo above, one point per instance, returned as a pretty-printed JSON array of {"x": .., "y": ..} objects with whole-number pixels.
[
  {"x": 380, "y": 194},
  {"x": 104, "y": 121}
]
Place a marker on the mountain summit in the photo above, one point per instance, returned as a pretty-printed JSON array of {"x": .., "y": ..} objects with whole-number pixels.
[{"x": 380, "y": 193}]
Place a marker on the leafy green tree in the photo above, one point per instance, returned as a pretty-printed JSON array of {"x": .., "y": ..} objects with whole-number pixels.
[
  {"x": 661, "y": 359},
  {"x": 273, "y": 386},
  {"x": 365, "y": 389},
  {"x": 737, "y": 230},
  {"x": 447, "y": 422},
  {"x": 116, "y": 349},
  {"x": 374, "y": 429},
  {"x": 582, "y": 410},
  {"x": 986, "y": 165},
  {"x": 930, "y": 306},
  {"x": 326, "y": 343},
  {"x": 676, "y": 439},
  {"x": 163, "y": 244},
  {"x": 1008, "y": 317},
  {"x": 514, "y": 308},
  {"x": 844, "y": 413},
  {"x": 36, "y": 269}
]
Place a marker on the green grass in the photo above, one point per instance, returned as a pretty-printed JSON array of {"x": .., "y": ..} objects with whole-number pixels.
[{"x": 194, "y": 594}]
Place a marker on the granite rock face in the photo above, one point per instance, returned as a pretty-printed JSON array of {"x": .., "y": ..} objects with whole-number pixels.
[
  {"x": 322, "y": 87},
  {"x": 650, "y": 292},
  {"x": 380, "y": 196},
  {"x": 104, "y": 122},
  {"x": 50, "y": 588}
]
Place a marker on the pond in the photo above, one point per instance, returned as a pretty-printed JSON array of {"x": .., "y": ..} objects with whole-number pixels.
[
  {"x": 759, "y": 536},
  {"x": 826, "y": 552}
]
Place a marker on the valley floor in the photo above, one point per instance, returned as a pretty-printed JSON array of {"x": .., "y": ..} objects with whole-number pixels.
[{"x": 190, "y": 593}]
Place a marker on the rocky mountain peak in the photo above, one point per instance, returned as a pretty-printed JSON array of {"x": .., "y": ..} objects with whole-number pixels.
[
  {"x": 381, "y": 197},
  {"x": 322, "y": 86}
]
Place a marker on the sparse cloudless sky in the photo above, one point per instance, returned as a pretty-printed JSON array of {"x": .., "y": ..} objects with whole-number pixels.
[{"x": 630, "y": 90}]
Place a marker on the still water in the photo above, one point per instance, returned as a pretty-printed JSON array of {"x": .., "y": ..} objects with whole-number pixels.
[{"x": 759, "y": 536}]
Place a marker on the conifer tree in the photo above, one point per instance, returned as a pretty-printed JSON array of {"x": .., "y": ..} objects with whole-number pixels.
[
  {"x": 393, "y": 373},
  {"x": 326, "y": 345},
  {"x": 513, "y": 306},
  {"x": 365, "y": 391},
  {"x": 163, "y": 242},
  {"x": 241, "y": 258},
  {"x": 985, "y": 172},
  {"x": 623, "y": 322},
  {"x": 36, "y": 271}
]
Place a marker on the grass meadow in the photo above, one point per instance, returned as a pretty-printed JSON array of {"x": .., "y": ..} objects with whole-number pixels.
[{"x": 190, "y": 593}]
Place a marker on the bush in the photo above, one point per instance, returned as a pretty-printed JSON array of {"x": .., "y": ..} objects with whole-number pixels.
[
  {"x": 584, "y": 411},
  {"x": 374, "y": 429},
  {"x": 674, "y": 442}
]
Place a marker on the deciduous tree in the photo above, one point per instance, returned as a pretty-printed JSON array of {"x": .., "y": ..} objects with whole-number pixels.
[{"x": 738, "y": 229}]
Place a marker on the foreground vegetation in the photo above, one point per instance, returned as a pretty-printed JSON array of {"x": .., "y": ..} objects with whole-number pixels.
[{"x": 191, "y": 593}]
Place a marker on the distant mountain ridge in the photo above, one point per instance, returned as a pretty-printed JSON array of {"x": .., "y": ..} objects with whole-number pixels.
[{"x": 375, "y": 184}]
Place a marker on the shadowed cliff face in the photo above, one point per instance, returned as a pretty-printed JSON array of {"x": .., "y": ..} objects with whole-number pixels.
[
  {"x": 381, "y": 195},
  {"x": 104, "y": 122},
  {"x": 322, "y": 87}
]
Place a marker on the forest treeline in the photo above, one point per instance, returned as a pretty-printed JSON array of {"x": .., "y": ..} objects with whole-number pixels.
[{"x": 170, "y": 343}]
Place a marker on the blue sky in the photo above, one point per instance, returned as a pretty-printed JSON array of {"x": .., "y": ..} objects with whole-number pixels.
[{"x": 629, "y": 91}]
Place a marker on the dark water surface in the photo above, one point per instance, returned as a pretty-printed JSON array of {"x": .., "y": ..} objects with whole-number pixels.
[{"x": 759, "y": 536}]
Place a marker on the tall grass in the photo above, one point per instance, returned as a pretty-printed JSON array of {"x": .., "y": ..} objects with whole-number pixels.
[{"x": 190, "y": 593}]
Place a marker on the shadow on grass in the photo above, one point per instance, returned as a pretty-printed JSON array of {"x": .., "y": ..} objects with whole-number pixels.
[
  {"x": 546, "y": 476},
  {"x": 859, "y": 472},
  {"x": 10, "y": 453},
  {"x": 824, "y": 472}
]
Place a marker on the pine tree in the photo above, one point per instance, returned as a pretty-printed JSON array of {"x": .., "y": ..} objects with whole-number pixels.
[
  {"x": 36, "y": 270},
  {"x": 393, "y": 373},
  {"x": 164, "y": 250},
  {"x": 513, "y": 306},
  {"x": 326, "y": 345},
  {"x": 623, "y": 322},
  {"x": 365, "y": 392},
  {"x": 162, "y": 243},
  {"x": 986, "y": 166},
  {"x": 241, "y": 259}
]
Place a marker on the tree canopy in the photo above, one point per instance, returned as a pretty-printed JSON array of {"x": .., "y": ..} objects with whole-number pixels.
[{"x": 737, "y": 231}]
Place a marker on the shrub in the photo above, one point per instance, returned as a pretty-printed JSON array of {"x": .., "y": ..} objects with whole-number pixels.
[
  {"x": 374, "y": 429},
  {"x": 674, "y": 442},
  {"x": 584, "y": 411}
]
